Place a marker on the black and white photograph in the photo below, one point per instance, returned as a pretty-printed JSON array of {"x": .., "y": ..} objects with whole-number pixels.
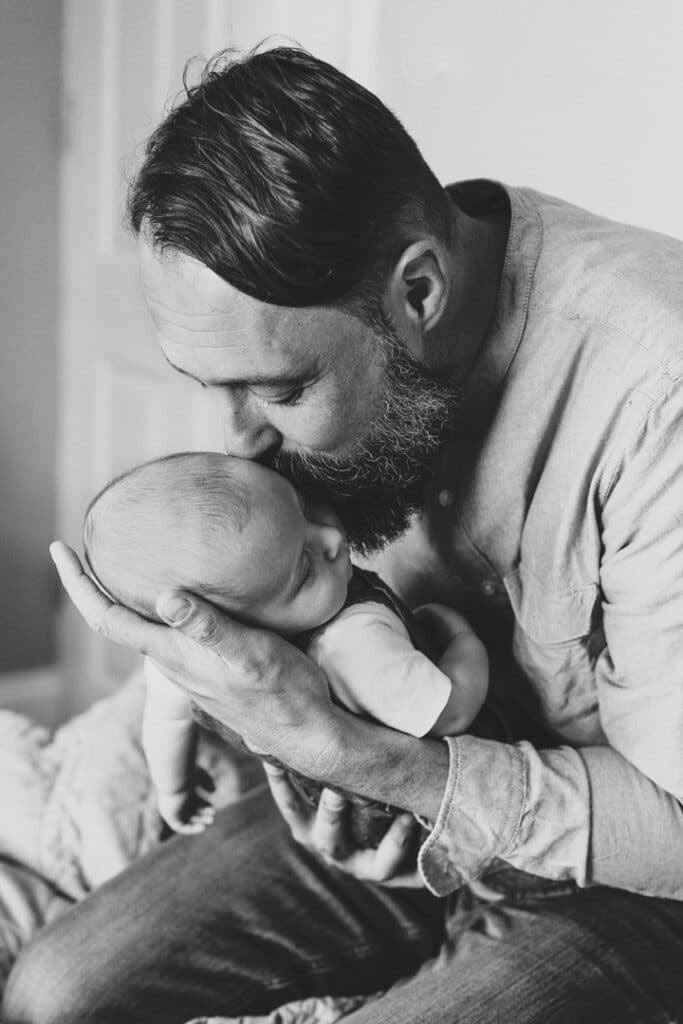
[{"x": 341, "y": 512}]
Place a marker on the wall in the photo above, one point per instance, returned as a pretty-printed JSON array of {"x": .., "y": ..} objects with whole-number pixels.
[
  {"x": 29, "y": 132},
  {"x": 581, "y": 99}
]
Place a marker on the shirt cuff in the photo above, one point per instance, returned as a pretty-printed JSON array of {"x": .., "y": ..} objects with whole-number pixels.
[
  {"x": 477, "y": 822},
  {"x": 528, "y": 807}
]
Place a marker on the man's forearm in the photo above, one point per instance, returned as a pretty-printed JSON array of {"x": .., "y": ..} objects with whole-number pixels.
[
  {"x": 586, "y": 815},
  {"x": 390, "y": 766}
]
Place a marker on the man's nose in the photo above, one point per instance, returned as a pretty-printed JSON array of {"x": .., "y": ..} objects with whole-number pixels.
[{"x": 246, "y": 432}]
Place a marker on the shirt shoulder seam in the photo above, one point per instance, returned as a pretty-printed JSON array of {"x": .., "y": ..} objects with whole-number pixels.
[{"x": 571, "y": 314}]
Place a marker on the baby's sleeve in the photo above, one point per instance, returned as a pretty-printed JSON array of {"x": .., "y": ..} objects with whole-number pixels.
[{"x": 374, "y": 669}]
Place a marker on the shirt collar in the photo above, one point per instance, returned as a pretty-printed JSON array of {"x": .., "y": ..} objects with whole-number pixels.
[
  {"x": 525, "y": 237},
  {"x": 483, "y": 384}
]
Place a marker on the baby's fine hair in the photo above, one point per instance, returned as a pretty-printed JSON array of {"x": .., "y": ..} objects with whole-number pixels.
[{"x": 133, "y": 508}]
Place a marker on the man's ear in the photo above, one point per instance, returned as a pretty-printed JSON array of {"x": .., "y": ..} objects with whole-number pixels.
[{"x": 418, "y": 291}]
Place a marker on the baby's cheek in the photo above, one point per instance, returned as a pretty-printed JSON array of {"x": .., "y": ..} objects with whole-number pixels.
[{"x": 335, "y": 590}]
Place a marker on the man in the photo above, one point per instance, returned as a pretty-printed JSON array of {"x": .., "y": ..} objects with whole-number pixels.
[{"x": 304, "y": 266}]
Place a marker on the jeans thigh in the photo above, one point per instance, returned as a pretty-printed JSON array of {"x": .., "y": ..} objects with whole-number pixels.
[
  {"x": 237, "y": 920},
  {"x": 546, "y": 954}
]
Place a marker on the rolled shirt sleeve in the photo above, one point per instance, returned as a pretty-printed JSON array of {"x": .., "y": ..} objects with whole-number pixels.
[
  {"x": 599, "y": 815},
  {"x": 508, "y": 801}
]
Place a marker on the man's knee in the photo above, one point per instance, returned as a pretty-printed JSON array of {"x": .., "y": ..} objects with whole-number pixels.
[{"x": 43, "y": 989}]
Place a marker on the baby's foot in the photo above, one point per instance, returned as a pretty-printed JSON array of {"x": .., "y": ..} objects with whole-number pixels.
[{"x": 187, "y": 812}]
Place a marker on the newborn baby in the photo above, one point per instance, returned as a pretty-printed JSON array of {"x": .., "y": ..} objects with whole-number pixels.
[{"x": 241, "y": 536}]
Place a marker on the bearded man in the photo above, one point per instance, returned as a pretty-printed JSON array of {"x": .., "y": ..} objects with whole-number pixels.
[{"x": 486, "y": 381}]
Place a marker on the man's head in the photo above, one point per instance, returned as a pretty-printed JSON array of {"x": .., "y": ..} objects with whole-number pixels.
[
  {"x": 294, "y": 247},
  {"x": 287, "y": 179},
  {"x": 229, "y": 529}
]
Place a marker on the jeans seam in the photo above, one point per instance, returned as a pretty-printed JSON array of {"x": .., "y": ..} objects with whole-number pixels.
[
  {"x": 327, "y": 966},
  {"x": 409, "y": 933}
]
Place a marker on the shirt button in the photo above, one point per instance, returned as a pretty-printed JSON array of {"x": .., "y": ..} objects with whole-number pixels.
[
  {"x": 488, "y": 588},
  {"x": 445, "y": 498}
]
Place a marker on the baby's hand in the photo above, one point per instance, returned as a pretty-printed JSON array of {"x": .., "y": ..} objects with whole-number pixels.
[{"x": 186, "y": 811}]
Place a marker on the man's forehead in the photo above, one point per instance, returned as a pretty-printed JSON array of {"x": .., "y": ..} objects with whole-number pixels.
[
  {"x": 185, "y": 295},
  {"x": 191, "y": 305}
]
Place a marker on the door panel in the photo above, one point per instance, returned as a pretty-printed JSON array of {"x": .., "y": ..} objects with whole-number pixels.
[{"x": 119, "y": 402}]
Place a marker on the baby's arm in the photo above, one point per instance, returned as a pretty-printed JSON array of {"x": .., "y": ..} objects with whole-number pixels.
[
  {"x": 466, "y": 664},
  {"x": 169, "y": 740},
  {"x": 374, "y": 669}
]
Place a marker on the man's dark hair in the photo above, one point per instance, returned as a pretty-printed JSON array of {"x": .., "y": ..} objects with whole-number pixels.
[{"x": 287, "y": 179}]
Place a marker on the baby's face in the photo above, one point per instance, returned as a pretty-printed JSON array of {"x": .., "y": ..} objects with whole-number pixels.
[{"x": 291, "y": 561}]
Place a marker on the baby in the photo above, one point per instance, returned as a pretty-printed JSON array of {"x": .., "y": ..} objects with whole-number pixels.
[{"x": 241, "y": 536}]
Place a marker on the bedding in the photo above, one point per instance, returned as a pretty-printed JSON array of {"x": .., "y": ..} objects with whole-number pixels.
[{"x": 78, "y": 807}]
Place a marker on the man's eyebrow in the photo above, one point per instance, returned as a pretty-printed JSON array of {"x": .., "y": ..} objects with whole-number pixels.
[{"x": 264, "y": 380}]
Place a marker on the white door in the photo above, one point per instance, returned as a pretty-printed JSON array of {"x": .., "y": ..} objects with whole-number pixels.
[{"x": 119, "y": 403}]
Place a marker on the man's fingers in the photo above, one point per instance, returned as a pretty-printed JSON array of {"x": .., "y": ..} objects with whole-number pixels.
[
  {"x": 322, "y": 829},
  {"x": 392, "y": 850},
  {"x": 110, "y": 620},
  {"x": 328, "y": 836},
  {"x": 91, "y": 602},
  {"x": 296, "y": 813},
  {"x": 200, "y": 622}
]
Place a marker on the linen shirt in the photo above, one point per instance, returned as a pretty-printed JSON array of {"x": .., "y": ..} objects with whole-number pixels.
[{"x": 556, "y": 527}]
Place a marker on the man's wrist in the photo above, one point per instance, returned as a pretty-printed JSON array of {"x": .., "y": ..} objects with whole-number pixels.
[{"x": 392, "y": 767}]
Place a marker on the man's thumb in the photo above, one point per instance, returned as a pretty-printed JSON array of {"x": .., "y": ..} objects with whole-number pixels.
[
  {"x": 191, "y": 616},
  {"x": 174, "y": 607}
]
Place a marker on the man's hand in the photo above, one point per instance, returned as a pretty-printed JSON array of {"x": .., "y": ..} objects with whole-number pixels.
[
  {"x": 258, "y": 684},
  {"x": 323, "y": 830},
  {"x": 278, "y": 701}
]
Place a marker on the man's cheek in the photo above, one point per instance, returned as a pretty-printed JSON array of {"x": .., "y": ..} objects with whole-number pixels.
[{"x": 329, "y": 428}]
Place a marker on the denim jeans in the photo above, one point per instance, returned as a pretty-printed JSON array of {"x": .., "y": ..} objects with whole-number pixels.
[{"x": 241, "y": 919}]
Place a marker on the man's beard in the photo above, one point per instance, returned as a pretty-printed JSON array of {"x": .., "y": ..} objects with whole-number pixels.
[{"x": 380, "y": 484}]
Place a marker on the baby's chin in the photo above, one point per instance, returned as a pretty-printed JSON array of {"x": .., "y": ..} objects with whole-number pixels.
[{"x": 322, "y": 613}]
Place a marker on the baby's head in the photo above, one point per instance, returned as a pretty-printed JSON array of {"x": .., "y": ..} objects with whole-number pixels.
[{"x": 228, "y": 529}]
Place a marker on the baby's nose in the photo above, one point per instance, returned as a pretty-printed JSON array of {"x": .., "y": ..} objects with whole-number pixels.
[{"x": 333, "y": 542}]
